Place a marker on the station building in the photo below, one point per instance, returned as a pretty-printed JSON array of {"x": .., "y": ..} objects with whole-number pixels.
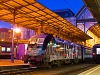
[
  {"x": 67, "y": 14},
  {"x": 83, "y": 20}
]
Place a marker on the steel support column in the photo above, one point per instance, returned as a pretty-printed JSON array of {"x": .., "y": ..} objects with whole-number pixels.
[{"x": 12, "y": 54}]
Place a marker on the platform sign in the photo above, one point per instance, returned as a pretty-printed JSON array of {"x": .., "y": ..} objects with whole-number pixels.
[{"x": 22, "y": 41}]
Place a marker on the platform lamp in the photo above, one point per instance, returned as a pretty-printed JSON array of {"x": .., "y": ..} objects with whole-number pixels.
[
  {"x": 17, "y": 33},
  {"x": 14, "y": 31}
]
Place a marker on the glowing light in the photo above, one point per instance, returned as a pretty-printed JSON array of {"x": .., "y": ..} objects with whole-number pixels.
[
  {"x": 54, "y": 46},
  {"x": 17, "y": 30},
  {"x": 48, "y": 44},
  {"x": 94, "y": 54},
  {"x": 58, "y": 45},
  {"x": 2, "y": 40},
  {"x": 61, "y": 48}
]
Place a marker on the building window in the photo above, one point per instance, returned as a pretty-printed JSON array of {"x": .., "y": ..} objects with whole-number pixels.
[
  {"x": 3, "y": 49},
  {"x": 8, "y": 50}
]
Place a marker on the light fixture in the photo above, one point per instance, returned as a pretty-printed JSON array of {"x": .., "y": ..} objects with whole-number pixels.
[
  {"x": 17, "y": 30},
  {"x": 61, "y": 48},
  {"x": 2, "y": 40}
]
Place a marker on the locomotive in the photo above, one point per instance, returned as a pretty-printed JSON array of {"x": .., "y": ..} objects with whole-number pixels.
[
  {"x": 96, "y": 53},
  {"x": 46, "y": 50}
]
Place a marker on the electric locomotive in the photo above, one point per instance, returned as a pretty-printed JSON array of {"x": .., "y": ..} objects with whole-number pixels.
[{"x": 46, "y": 50}]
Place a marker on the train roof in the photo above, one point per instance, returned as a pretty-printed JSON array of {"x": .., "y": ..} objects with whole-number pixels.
[
  {"x": 57, "y": 40},
  {"x": 39, "y": 36}
]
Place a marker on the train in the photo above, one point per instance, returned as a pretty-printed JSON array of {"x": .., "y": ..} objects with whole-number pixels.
[
  {"x": 96, "y": 53},
  {"x": 46, "y": 50}
]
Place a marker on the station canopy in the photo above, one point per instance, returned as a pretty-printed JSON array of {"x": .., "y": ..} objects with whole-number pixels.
[
  {"x": 33, "y": 15},
  {"x": 95, "y": 29},
  {"x": 94, "y": 7}
]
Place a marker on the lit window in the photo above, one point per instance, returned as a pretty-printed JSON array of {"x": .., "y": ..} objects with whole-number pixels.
[
  {"x": 8, "y": 50},
  {"x": 3, "y": 49}
]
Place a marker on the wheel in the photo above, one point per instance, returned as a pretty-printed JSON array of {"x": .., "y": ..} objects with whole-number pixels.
[
  {"x": 76, "y": 61},
  {"x": 48, "y": 64},
  {"x": 59, "y": 64},
  {"x": 26, "y": 61}
]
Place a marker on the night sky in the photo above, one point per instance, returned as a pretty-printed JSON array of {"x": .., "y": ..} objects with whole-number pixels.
[
  {"x": 5, "y": 25},
  {"x": 53, "y": 5},
  {"x": 74, "y": 5}
]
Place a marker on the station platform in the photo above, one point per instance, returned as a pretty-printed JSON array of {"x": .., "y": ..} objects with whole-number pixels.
[{"x": 6, "y": 64}]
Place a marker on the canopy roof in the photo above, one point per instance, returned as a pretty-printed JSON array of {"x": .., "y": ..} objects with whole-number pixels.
[
  {"x": 95, "y": 29},
  {"x": 94, "y": 7},
  {"x": 31, "y": 14}
]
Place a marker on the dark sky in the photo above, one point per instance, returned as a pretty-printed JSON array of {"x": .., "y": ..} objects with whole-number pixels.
[{"x": 74, "y": 5}]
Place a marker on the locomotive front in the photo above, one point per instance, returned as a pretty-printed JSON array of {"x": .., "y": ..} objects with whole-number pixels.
[{"x": 36, "y": 49}]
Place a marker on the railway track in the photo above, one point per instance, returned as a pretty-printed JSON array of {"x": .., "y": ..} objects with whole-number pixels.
[
  {"x": 14, "y": 71},
  {"x": 38, "y": 71}
]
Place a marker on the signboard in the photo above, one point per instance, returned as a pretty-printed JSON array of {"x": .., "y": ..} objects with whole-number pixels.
[{"x": 22, "y": 41}]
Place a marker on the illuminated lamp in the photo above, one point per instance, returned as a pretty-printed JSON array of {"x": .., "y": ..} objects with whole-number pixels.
[
  {"x": 58, "y": 45},
  {"x": 61, "y": 48},
  {"x": 94, "y": 54},
  {"x": 2, "y": 40}
]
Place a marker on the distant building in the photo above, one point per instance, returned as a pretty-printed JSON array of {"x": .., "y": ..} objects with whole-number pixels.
[
  {"x": 5, "y": 43},
  {"x": 5, "y": 35},
  {"x": 67, "y": 14},
  {"x": 84, "y": 20},
  {"x": 27, "y": 33}
]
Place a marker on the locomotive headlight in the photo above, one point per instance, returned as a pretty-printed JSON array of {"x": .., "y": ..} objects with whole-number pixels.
[
  {"x": 50, "y": 43},
  {"x": 54, "y": 46},
  {"x": 58, "y": 45},
  {"x": 61, "y": 48}
]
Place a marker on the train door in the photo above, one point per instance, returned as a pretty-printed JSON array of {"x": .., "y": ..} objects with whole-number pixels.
[{"x": 79, "y": 51}]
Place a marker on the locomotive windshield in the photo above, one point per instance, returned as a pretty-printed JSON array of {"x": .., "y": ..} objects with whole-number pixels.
[{"x": 32, "y": 49}]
